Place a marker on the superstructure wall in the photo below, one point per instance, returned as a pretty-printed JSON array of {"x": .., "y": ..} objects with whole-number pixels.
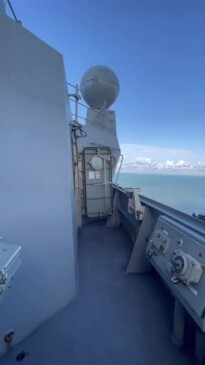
[{"x": 36, "y": 181}]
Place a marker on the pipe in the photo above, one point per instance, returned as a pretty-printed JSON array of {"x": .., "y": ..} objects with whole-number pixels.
[{"x": 178, "y": 323}]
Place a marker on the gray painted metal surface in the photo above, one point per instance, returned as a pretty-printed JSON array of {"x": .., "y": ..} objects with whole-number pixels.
[
  {"x": 36, "y": 183},
  {"x": 37, "y": 196},
  {"x": 178, "y": 323},
  {"x": 138, "y": 262},
  {"x": 175, "y": 245},
  {"x": 101, "y": 132},
  {"x": 2, "y": 6},
  {"x": 187, "y": 220},
  {"x": 98, "y": 181},
  {"x": 178, "y": 253},
  {"x": 117, "y": 319},
  {"x": 100, "y": 87}
]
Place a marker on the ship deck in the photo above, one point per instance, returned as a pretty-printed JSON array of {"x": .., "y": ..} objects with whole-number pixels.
[{"x": 116, "y": 318}]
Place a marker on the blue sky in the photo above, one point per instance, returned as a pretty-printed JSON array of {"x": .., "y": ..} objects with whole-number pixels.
[{"x": 156, "y": 48}]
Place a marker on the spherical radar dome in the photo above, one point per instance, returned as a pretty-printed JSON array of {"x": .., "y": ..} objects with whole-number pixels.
[{"x": 99, "y": 87}]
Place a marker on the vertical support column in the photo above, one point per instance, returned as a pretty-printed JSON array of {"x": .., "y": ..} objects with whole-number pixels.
[
  {"x": 138, "y": 262},
  {"x": 178, "y": 323},
  {"x": 199, "y": 346},
  {"x": 77, "y": 185},
  {"x": 114, "y": 219}
]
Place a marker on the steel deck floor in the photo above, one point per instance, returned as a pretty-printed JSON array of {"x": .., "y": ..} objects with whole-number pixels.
[{"x": 117, "y": 319}]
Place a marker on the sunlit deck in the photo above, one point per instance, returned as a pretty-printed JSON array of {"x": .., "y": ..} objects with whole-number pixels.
[{"x": 116, "y": 319}]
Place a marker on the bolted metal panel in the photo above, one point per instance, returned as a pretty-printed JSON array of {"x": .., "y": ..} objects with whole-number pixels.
[{"x": 178, "y": 254}]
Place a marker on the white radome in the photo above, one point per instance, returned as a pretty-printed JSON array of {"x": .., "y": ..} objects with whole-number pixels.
[{"x": 99, "y": 87}]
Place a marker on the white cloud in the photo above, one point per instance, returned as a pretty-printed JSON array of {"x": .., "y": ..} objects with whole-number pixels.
[
  {"x": 143, "y": 158},
  {"x": 181, "y": 164},
  {"x": 200, "y": 165},
  {"x": 169, "y": 164}
]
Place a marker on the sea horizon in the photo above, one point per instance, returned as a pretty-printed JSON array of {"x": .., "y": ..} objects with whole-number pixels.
[
  {"x": 169, "y": 173},
  {"x": 182, "y": 192}
]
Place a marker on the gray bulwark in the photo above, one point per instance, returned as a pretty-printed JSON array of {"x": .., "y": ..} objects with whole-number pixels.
[
  {"x": 36, "y": 183},
  {"x": 117, "y": 319}
]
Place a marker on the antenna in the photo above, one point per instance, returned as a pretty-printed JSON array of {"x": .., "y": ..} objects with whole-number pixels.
[{"x": 99, "y": 87}]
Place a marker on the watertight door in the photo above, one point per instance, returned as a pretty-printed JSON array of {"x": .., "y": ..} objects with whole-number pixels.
[{"x": 98, "y": 181}]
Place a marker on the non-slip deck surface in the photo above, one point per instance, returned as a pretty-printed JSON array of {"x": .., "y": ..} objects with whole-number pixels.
[{"x": 117, "y": 319}]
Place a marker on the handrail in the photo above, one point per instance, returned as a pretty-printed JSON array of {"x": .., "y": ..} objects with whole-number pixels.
[
  {"x": 122, "y": 158},
  {"x": 74, "y": 86},
  {"x": 74, "y": 97}
]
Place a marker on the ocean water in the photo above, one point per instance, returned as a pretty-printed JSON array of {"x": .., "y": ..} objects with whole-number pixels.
[{"x": 185, "y": 193}]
